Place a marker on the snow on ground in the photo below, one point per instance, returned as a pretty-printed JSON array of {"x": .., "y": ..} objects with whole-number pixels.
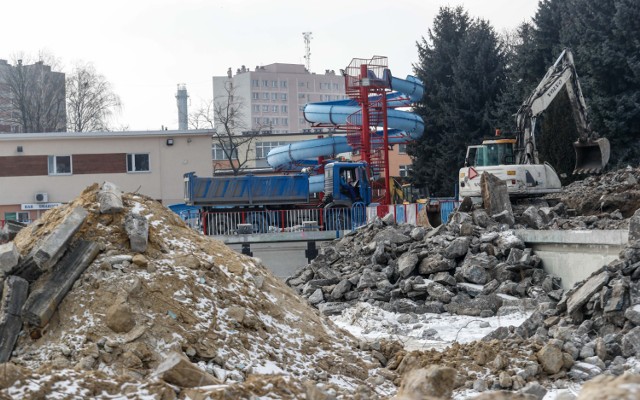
[{"x": 421, "y": 331}]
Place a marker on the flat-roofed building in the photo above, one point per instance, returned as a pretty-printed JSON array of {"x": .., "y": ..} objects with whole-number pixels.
[{"x": 39, "y": 170}]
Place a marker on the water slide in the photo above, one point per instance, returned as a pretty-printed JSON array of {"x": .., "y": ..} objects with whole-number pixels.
[{"x": 403, "y": 127}]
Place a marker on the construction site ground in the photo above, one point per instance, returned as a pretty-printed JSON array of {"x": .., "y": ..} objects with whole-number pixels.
[{"x": 249, "y": 335}]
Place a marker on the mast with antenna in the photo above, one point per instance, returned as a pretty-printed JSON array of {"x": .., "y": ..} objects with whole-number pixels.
[{"x": 307, "y": 50}]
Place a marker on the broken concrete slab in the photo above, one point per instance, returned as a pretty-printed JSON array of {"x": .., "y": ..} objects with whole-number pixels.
[
  {"x": 10, "y": 230},
  {"x": 53, "y": 246},
  {"x": 634, "y": 226},
  {"x": 110, "y": 199},
  {"x": 137, "y": 228},
  {"x": 495, "y": 197},
  {"x": 43, "y": 302},
  {"x": 14, "y": 294},
  {"x": 9, "y": 257},
  {"x": 27, "y": 269},
  {"x": 584, "y": 293},
  {"x": 177, "y": 370}
]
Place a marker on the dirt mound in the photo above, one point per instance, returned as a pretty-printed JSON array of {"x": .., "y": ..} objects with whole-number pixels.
[
  {"x": 186, "y": 293},
  {"x": 596, "y": 194}
]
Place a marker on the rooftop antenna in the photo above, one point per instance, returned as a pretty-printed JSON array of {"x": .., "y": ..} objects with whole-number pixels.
[{"x": 307, "y": 50}]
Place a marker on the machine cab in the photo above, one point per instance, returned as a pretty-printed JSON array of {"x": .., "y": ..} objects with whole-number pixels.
[
  {"x": 347, "y": 183},
  {"x": 491, "y": 152}
]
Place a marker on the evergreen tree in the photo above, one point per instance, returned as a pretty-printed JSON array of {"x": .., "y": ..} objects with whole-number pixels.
[
  {"x": 522, "y": 74},
  {"x": 462, "y": 66},
  {"x": 605, "y": 35}
]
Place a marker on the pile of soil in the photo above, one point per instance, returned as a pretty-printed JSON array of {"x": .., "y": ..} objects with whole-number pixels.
[{"x": 186, "y": 293}]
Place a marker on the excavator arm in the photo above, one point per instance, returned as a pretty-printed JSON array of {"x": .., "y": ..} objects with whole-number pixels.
[{"x": 592, "y": 153}]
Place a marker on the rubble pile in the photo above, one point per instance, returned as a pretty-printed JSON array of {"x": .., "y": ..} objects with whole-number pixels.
[
  {"x": 606, "y": 193},
  {"x": 538, "y": 214},
  {"x": 595, "y": 327},
  {"x": 471, "y": 266},
  {"x": 124, "y": 298}
]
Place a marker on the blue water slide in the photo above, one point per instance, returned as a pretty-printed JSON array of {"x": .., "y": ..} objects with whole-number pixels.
[{"x": 403, "y": 126}]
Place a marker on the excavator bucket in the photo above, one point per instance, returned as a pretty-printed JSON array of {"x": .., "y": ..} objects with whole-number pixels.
[{"x": 591, "y": 156}]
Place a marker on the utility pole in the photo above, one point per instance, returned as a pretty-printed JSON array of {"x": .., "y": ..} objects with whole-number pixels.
[{"x": 307, "y": 50}]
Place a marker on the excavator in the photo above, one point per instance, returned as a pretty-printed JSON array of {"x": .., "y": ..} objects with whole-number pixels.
[{"x": 515, "y": 159}]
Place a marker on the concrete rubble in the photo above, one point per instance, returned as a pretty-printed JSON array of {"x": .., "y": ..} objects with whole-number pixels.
[
  {"x": 475, "y": 265},
  {"x": 160, "y": 311},
  {"x": 471, "y": 266}
]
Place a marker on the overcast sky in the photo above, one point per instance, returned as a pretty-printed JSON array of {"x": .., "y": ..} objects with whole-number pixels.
[{"x": 146, "y": 47}]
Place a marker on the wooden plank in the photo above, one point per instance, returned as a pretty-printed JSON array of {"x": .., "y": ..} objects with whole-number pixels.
[
  {"x": 43, "y": 302},
  {"x": 14, "y": 294}
]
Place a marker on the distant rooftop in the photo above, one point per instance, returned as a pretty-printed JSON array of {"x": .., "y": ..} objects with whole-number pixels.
[
  {"x": 70, "y": 135},
  {"x": 282, "y": 68}
]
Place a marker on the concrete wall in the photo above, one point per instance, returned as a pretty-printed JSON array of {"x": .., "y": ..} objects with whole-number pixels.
[{"x": 574, "y": 255}]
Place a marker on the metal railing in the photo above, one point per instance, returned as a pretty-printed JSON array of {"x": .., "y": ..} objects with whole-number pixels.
[
  {"x": 274, "y": 221},
  {"x": 216, "y": 223}
]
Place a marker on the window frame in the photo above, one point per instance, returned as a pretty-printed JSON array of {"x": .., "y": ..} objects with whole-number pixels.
[
  {"x": 404, "y": 170},
  {"x": 134, "y": 170},
  {"x": 217, "y": 151},
  {"x": 52, "y": 160}
]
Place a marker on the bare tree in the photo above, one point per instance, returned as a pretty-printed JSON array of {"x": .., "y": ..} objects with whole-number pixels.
[
  {"x": 90, "y": 100},
  {"x": 232, "y": 137},
  {"x": 35, "y": 95}
]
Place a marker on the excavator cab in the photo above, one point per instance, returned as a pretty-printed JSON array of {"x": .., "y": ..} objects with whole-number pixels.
[
  {"x": 591, "y": 155},
  {"x": 491, "y": 152}
]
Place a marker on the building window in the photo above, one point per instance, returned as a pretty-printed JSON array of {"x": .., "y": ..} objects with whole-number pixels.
[
  {"x": 256, "y": 120},
  {"x": 284, "y": 109},
  {"x": 265, "y": 96},
  {"x": 138, "y": 162},
  {"x": 301, "y": 95},
  {"x": 265, "y": 108},
  {"x": 301, "y": 84},
  {"x": 404, "y": 170},
  {"x": 274, "y": 84},
  {"x": 336, "y": 86},
  {"x": 285, "y": 121},
  {"x": 255, "y": 95},
  {"x": 283, "y": 84},
  {"x": 218, "y": 152},
  {"x": 402, "y": 148},
  {"x": 283, "y": 96},
  {"x": 274, "y": 96},
  {"x": 60, "y": 165},
  {"x": 265, "y": 83},
  {"x": 255, "y": 83},
  {"x": 20, "y": 216},
  {"x": 274, "y": 109},
  {"x": 263, "y": 148},
  {"x": 256, "y": 108}
]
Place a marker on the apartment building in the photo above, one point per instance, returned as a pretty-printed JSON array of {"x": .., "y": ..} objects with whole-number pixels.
[
  {"x": 41, "y": 170},
  {"x": 274, "y": 95},
  {"x": 45, "y": 109}
]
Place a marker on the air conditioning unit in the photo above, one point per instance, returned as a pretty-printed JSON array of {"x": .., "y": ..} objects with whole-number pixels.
[{"x": 41, "y": 197}]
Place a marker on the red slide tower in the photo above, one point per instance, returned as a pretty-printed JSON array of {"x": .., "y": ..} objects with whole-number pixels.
[{"x": 367, "y": 81}]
